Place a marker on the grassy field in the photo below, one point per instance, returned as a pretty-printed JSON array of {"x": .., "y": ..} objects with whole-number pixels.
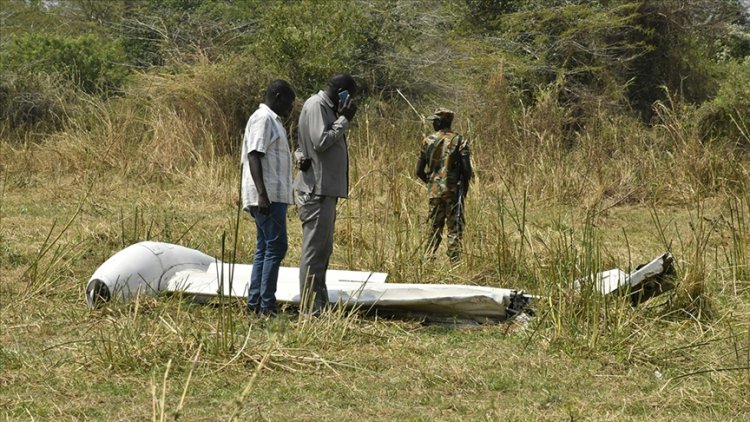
[{"x": 541, "y": 213}]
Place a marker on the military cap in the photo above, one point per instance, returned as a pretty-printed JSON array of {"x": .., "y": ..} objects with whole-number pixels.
[{"x": 441, "y": 113}]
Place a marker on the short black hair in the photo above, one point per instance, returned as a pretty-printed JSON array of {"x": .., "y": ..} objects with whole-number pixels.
[
  {"x": 343, "y": 81},
  {"x": 279, "y": 86}
]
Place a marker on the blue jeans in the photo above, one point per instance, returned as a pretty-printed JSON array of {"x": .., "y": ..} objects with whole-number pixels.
[{"x": 270, "y": 249}]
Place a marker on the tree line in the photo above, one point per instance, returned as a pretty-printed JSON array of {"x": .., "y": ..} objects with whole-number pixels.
[{"x": 595, "y": 58}]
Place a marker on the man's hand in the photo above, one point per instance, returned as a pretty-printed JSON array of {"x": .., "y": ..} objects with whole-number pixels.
[
  {"x": 264, "y": 205},
  {"x": 300, "y": 161},
  {"x": 304, "y": 164},
  {"x": 348, "y": 109}
]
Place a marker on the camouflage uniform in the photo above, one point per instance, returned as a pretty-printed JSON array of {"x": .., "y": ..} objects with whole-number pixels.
[{"x": 442, "y": 152}]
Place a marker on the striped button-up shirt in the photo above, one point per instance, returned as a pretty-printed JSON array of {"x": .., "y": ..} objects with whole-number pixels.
[{"x": 265, "y": 133}]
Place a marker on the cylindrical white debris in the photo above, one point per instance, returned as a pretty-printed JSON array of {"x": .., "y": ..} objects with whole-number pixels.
[{"x": 142, "y": 267}]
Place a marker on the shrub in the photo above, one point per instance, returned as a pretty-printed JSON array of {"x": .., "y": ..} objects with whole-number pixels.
[
  {"x": 40, "y": 74},
  {"x": 307, "y": 42},
  {"x": 728, "y": 115},
  {"x": 34, "y": 103},
  {"x": 159, "y": 32},
  {"x": 91, "y": 63}
]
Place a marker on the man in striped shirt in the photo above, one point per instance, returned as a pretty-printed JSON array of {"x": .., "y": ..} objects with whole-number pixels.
[{"x": 267, "y": 191}]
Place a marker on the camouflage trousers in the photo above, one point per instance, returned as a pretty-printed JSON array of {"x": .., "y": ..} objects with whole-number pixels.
[{"x": 446, "y": 212}]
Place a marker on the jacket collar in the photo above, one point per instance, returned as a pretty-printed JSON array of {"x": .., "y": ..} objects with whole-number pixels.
[{"x": 325, "y": 98}]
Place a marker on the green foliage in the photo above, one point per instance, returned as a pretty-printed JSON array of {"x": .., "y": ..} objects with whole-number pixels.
[
  {"x": 484, "y": 13},
  {"x": 612, "y": 54},
  {"x": 735, "y": 43},
  {"x": 600, "y": 58},
  {"x": 675, "y": 59},
  {"x": 90, "y": 62},
  {"x": 42, "y": 72},
  {"x": 308, "y": 41},
  {"x": 685, "y": 45},
  {"x": 143, "y": 43},
  {"x": 583, "y": 50},
  {"x": 302, "y": 46},
  {"x": 728, "y": 114},
  {"x": 21, "y": 17}
]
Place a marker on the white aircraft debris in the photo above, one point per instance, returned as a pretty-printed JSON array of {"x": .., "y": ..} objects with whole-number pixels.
[
  {"x": 153, "y": 267},
  {"x": 647, "y": 281}
]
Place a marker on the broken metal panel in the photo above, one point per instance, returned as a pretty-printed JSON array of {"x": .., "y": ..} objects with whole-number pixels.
[
  {"x": 150, "y": 267},
  {"x": 652, "y": 279},
  {"x": 648, "y": 280},
  {"x": 611, "y": 280},
  {"x": 240, "y": 273},
  {"x": 233, "y": 280}
]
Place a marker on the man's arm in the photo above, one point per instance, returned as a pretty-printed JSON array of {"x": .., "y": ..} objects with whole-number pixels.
[
  {"x": 329, "y": 134},
  {"x": 421, "y": 164},
  {"x": 466, "y": 173},
  {"x": 256, "y": 171}
]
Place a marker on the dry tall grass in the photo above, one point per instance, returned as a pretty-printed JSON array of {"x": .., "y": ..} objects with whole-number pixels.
[{"x": 545, "y": 209}]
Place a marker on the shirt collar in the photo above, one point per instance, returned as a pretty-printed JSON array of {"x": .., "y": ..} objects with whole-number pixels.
[
  {"x": 268, "y": 110},
  {"x": 325, "y": 98}
]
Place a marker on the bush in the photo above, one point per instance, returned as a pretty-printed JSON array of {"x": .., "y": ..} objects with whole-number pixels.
[
  {"x": 34, "y": 103},
  {"x": 584, "y": 51},
  {"x": 308, "y": 42},
  {"x": 159, "y": 32},
  {"x": 40, "y": 74},
  {"x": 728, "y": 115},
  {"x": 92, "y": 64},
  {"x": 198, "y": 113}
]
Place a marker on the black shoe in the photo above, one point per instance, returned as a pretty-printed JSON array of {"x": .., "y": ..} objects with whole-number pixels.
[{"x": 268, "y": 312}]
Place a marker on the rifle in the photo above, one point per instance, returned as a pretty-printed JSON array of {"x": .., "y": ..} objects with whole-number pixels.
[{"x": 460, "y": 189}]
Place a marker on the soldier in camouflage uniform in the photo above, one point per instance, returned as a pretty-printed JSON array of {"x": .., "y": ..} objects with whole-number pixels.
[{"x": 445, "y": 166}]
